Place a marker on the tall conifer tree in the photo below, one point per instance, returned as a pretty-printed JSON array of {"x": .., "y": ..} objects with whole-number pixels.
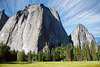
[
  {"x": 67, "y": 52},
  {"x": 93, "y": 50},
  {"x": 88, "y": 52},
  {"x": 84, "y": 52},
  {"x": 77, "y": 53}
]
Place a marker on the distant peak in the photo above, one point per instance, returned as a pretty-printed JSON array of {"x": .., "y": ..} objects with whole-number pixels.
[
  {"x": 81, "y": 35},
  {"x": 41, "y": 4},
  {"x": 3, "y": 11},
  {"x": 80, "y": 26}
]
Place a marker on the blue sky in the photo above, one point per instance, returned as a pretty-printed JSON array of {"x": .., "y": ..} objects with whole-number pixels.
[{"x": 72, "y": 12}]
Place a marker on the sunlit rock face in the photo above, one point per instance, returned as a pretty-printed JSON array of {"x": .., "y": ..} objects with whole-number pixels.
[
  {"x": 30, "y": 28},
  {"x": 81, "y": 35},
  {"x": 3, "y": 18}
]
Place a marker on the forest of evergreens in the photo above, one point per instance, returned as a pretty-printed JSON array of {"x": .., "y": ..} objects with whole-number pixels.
[{"x": 60, "y": 53}]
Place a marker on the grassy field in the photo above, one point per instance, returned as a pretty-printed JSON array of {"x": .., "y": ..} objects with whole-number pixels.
[{"x": 53, "y": 64}]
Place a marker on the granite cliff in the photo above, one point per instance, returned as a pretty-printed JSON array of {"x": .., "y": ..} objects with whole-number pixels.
[
  {"x": 30, "y": 28},
  {"x": 81, "y": 35}
]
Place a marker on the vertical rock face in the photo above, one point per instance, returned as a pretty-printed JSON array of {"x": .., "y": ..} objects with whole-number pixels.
[
  {"x": 81, "y": 35},
  {"x": 30, "y": 28},
  {"x": 3, "y": 18}
]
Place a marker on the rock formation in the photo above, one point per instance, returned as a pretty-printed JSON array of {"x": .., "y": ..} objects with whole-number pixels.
[
  {"x": 46, "y": 48},
  {"x": 30, "y": 28},
  {"x": 81, "y": 35},
  {"x": 3, "y": 18}
]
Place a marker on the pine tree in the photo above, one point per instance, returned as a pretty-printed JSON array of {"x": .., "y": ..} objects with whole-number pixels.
[
  {"x": 6, "y": 53},
  {"x": 20, "y": 56},
  {"x": 93, "y": 50},
  {"x": 71, "y": 54},
  {"x": 1, "y": 51},
  {"x": 56, "y": 54},
  {"x": 74, "y": 52},
  {"x": 39, "y": 56},
  {"x": 33, "y": 56},
  {"x": 36, "y": 57},
  {"x": 42, "y": 56},
  {"x": 88, "y": 52},
  {"x": 29, "y": 56},
  {"x": 24, "y": 56},
  {"x": 67, "y": 52},
  {"x": 77, "y": 53},
  {"x": 61, "y": 53},
  {"x": 53, "y": 54},
  {"x": 13, "y": 54},
  {"x": 98, "y": 53},
  {"x": 84, "y": 52},
  {"x": 48, "y": 55}
]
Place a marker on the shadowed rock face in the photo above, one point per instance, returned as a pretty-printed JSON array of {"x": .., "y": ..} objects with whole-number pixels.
[
  {"x": 81, "y": 35},
  {"x": 30, "y": 28},
  {"x": 3, "y": 18}
]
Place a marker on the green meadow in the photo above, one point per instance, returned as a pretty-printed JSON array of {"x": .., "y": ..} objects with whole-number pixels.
[{"x": 53, "y": 64}]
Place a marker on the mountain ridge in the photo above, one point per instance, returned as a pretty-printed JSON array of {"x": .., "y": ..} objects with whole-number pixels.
[
  {"x": 30, "y": 28},
  {"x": 3, "y": 18}
]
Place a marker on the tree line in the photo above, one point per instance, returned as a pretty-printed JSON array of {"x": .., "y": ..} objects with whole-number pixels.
[
  {"x": 86, "y": 53},
  {"x": 61, "y": 53}
]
